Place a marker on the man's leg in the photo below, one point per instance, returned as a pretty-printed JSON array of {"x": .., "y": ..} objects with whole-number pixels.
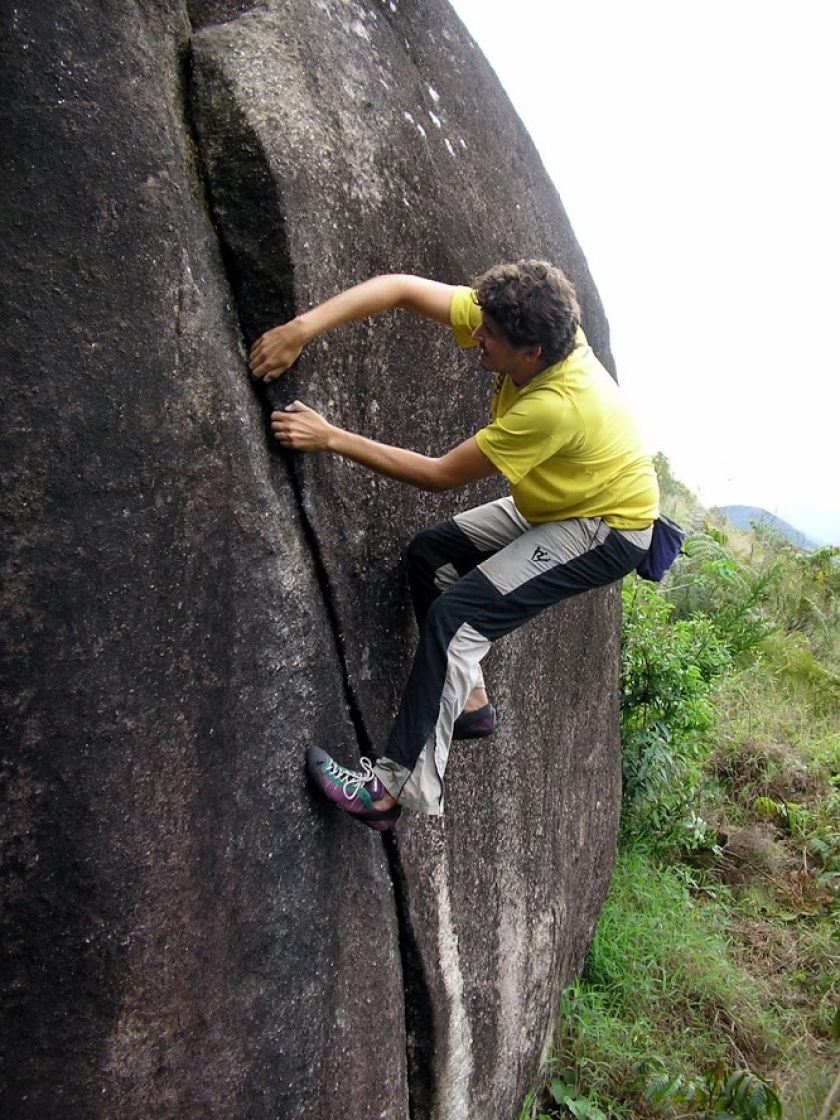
[
  {"x": 437, "y": 558},
  {"x": 442, "y": 554},
  {"x": 538, "y": 568}
]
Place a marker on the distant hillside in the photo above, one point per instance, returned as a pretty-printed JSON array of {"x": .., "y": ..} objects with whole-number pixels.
[{"x": 742, "y": 517}]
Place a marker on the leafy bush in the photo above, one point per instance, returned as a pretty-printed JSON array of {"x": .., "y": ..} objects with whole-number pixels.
[
  {"x": 667, "y": 670},
  {"x": 733, "y": 595},
  {"x": 717, "y": 1093}
]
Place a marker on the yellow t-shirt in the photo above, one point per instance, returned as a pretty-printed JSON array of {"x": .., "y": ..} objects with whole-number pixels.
[{"x": 566, "y": 441}]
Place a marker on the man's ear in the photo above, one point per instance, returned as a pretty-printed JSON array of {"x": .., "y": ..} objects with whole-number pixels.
[{"x": 533, "y": 354}]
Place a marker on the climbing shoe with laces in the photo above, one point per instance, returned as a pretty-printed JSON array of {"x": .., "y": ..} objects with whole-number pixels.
[{"x": 353, "y": 791}]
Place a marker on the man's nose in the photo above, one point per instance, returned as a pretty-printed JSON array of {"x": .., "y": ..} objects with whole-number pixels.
[{"x": 476, "y": 334}]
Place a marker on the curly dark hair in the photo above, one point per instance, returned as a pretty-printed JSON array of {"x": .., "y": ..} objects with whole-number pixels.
[{"x": 533, "y": 303}]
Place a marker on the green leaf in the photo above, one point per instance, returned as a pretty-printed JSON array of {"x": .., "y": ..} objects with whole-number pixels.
[
  {"x": 560, "y": 1091},
  {"x": 585, "y": 1110}
]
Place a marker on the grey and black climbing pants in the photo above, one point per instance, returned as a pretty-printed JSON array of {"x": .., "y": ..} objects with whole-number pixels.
[{"x": 473, "y": 579}]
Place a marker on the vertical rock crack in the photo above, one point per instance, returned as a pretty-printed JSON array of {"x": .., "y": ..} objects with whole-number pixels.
[{"x": 243, "y": 205}]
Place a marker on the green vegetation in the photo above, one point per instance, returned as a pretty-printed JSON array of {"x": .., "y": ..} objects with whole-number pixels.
[{"x": 712, "y": 987}]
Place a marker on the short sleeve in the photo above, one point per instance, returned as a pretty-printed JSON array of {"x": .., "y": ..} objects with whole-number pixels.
[{"x": 464, "y": 316}]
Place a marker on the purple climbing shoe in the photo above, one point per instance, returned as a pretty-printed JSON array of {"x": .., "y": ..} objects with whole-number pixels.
[
  {"x": 476, "y": 725},
  {"x": 351, "y": 790}
]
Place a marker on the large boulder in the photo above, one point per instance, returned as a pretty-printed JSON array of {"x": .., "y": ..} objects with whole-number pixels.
[
  {"x": 182, "y": 935},
  {"x": 186, "y": 608}
]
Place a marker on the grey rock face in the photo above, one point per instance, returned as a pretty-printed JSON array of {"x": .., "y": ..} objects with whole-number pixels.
[{"x": 185, "y": 608}]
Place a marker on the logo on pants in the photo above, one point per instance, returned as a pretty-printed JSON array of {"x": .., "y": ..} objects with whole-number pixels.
[{"x": 540, "y": 556}]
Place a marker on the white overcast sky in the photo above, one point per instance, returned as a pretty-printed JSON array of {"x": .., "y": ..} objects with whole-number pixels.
[{"x": 695, "y": 145}]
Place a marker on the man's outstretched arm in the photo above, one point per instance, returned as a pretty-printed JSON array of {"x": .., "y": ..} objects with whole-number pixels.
[
  {"x": 304, "y": 429},
  {"x": 277, "y": 349}
]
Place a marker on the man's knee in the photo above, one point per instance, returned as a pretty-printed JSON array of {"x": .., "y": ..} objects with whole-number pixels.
[
  {"x": 470, "y": 598},
  {"x": 424, "y": 551}
]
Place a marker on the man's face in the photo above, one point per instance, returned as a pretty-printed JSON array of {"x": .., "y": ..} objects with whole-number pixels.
[{"x": 498, "y": 355}]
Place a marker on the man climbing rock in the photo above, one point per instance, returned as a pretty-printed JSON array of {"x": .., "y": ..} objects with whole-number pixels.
[{"x": 579, "y": 515}]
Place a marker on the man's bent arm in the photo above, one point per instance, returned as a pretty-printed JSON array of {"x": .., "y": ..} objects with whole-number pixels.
[
  {"x": 277, "y": 349},
  {"x": 302, "y": 428},
  {"x": 464, "y": 463}
]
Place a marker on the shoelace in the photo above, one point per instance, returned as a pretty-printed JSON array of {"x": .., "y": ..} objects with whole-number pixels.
[{"x": 352, "y": 778}]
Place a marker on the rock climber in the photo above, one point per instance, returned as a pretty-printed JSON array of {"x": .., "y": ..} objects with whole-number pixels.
[{"x": 583, "y": 497}]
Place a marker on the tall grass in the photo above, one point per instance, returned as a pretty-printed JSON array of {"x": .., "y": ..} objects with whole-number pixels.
[{"x": 662, "y": 994}]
